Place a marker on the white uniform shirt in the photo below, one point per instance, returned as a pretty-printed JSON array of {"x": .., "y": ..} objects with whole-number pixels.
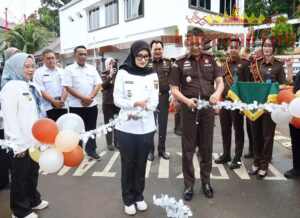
[
  {"x": 131, "y": 88},
  {"x": 82, "y": 79},
  {"x": 19, "y": 114},
  {"x": 49, "y": 81}
]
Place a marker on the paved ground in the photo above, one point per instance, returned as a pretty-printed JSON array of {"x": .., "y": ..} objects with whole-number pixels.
[{"x": 93, "y": 189}]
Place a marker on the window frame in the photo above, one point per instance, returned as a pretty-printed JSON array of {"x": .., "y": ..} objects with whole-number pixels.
[
  {"x": 198, "y": 7},
  {"x": 134, "y": 18},
  {"x": 231, "y": 6},
  {"x": 98, "y": 5}
]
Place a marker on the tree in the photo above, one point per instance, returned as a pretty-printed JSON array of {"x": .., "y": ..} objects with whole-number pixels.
[
  {"x": 29, "y": 37},
  {"x": 269, "y": 8},
  {"x": 49, "y": 19},
  {"x": 48, "y": 14},
  {"x": 283, "y": 35},
  {"x": 54, "y": 3}
]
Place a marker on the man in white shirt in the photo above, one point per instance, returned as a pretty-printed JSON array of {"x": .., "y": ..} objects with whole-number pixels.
[
  {"x": 83, "y": 82},
  {"x": 49, "y": 79}
]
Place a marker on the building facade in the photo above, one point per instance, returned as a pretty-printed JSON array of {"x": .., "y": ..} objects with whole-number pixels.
[{"x": 108, "y": 27}]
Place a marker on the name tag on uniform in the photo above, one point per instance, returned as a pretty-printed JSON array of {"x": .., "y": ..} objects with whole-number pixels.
[
  {"x": 27, "y": 95},
  {"x": 129, "y": 82},
  {"x": 46, "y": 75}
]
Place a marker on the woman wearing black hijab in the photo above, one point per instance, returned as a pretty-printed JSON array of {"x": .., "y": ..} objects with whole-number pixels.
[{"x": 136, "y": 90}]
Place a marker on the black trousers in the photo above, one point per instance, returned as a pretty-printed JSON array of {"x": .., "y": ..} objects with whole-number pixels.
[
  {"x": 250, "y": 136},
  {"x": 109, "y": 111},
  {"x": 134, "y": 150},
  {"x": 295, "y": 137},
  {"x": 89, "y": 116},
  {"x": 228, "y": 119},
  {"x": 177, "y": 119},
  {"x": 54, "y": 114},
  {"x": 197, "y": 131},
  {"x": 162, "y": 117},
  {"x": 4, "y": 165},
  {"x": 24, "y": 181},
  {"x": 263, "y": 130}
]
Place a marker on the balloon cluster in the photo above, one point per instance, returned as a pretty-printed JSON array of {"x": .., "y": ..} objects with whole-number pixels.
[
  {"x": 174, "y": 209},
  {"x": 291, "y": 113},
  {"x": 60, "y": 141}
]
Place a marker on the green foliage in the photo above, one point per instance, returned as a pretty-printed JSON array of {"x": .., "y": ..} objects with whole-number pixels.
[
  {"x": 28, "y": 37},
  {"x": 49, "y": 19},
  {"x": 269, "y": 8},
  {"x": 283, "y": 35},
  {"x": 54, "y": 3}
]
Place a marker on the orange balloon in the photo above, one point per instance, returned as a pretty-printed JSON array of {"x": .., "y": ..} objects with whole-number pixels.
[
  {"x": 74, "y": 157},
  {"x": 285, "y": 95},
  {"x": 295, "y": 122},
  {"x": 45, "y": 130}
]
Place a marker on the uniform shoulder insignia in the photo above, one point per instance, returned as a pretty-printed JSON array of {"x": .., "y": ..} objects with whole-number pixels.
[{"x": 180, "y": 58}]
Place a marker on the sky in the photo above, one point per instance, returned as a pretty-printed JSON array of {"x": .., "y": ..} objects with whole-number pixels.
[{"x": 17, "y": 9}]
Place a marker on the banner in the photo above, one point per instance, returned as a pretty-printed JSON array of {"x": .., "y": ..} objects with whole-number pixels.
[{"x": 250, "y": 92}]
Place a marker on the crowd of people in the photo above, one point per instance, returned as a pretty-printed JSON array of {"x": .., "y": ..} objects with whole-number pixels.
[{"x": 145, "y": 81}]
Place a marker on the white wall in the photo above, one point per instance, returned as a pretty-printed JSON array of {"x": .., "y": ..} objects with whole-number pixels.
[{"x": 158, "y": 16}]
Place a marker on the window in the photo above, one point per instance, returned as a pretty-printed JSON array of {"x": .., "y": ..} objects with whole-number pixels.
[
  {"x": 134, "y": 9},
  {"x": 206, "y": 4},
  {"x": 103, "y": 15},
  {"x": 227, "y": 6}
]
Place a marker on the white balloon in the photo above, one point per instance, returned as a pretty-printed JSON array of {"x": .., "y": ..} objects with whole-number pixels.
[
  {"x": 51, "y": 161},
  {"x": 71, "y": 121},
  {"x": 281, "y": 117},
  {"x": 67, "y": 140},
  {"x": 294, "y": 107}
]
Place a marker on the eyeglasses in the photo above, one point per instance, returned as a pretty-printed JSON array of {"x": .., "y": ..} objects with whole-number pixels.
[{"x": 140, "y": 57}]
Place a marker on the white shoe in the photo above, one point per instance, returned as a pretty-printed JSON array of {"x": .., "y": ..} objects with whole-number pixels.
[
  {"x": 41, "y": 206},
  {"x": 130, "y": 210},
  {"x": 141, "y": 205},
  {"x": 31, "y": 215}
]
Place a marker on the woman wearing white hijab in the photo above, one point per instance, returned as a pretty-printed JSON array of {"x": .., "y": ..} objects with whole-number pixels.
[{"x": 21, "y": 108}]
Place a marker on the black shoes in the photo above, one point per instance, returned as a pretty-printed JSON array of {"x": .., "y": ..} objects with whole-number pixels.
[
  {"x": 235, "y": 164},
  {"x": 207, "y": 190},
  {"x": 292, "y": 174},
  {"x": 94, "y": 156},
  {"x": 249, "y": 155},
  {"x": 188, "y": 194},
  {"x": 164, "y": 155},
  {"x": 222, "y": 159},
  {"x": 151, "y": 156}
]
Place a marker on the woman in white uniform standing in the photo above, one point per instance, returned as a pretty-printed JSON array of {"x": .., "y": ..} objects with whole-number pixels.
[
  {"x": 136, "y": 89},
  {"x": 20, "y": 102}
]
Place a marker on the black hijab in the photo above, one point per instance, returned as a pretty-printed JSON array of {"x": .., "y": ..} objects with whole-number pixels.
[{"x": 129, "y": 64}]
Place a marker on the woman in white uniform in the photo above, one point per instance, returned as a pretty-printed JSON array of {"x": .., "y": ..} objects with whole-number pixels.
[
  {"x": 136, "y": 89},
  {"x": 21, "y": 109}
]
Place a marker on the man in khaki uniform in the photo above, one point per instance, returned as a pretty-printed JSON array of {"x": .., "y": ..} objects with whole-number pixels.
[
  {"x": 162, "y": 67},
  {"x": 235, "y": 69},
  {"x": 192, "y": 77}
]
